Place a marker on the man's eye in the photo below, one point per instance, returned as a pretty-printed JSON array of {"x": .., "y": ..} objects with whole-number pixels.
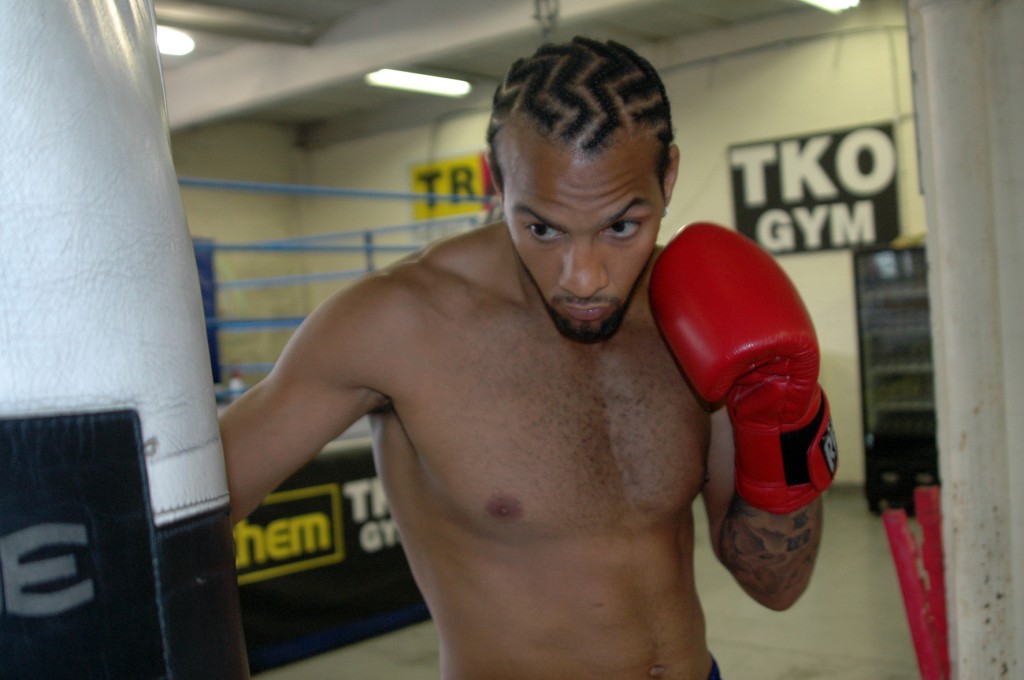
[
  {"x": 624, "y": 228},
  {"x": 542, "y": 232}
]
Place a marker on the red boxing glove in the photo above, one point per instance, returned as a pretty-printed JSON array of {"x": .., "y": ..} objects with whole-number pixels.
[{"x": 740, "y": 331}]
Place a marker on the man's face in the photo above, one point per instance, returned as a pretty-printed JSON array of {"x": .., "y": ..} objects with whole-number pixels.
[{"x": 584, "y": 226}]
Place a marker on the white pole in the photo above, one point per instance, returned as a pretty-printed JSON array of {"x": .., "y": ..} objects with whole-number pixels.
[{"x": 968, "y": 57}]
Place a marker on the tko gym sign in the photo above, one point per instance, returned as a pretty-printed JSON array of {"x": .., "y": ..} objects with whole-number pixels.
[{"x": 823, "y": 192}]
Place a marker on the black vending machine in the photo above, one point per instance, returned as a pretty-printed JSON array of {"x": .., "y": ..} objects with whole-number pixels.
[{"x": 897, "y": 378}]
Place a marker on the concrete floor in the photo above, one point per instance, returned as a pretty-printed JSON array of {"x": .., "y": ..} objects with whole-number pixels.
[{"x": 849, "y": 625}]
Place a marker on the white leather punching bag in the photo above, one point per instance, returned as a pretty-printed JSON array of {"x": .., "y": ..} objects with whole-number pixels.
[{"x": 116, "y": 557}]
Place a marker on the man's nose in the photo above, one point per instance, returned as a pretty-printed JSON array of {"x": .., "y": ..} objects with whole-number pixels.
[{"x": 583, "y": 271}]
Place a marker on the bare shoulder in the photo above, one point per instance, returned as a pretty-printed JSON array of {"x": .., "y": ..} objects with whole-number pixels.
[
  {"x": 473, "y": 264},
  {"x": 360, "y": 330}
]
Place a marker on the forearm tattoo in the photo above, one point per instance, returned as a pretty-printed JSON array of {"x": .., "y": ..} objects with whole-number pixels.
[{"x": 771, "y": 556}]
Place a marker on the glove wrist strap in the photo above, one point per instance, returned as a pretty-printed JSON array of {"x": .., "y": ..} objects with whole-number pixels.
[{"x": 780, "y": 471}]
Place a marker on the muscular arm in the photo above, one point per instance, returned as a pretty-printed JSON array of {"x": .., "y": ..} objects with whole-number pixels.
[
  {"x": 771, "y": 556},
  {"x": 277, "y": 427},
  {"x": 316, "y": 390}
]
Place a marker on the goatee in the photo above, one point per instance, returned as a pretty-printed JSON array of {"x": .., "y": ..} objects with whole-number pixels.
[{"x": 606, "y": 329}]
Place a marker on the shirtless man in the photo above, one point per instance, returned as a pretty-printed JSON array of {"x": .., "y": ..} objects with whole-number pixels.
[{"x": 539, "y": 445}]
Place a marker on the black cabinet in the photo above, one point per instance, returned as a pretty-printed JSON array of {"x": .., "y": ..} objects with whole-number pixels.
[{"x": 897, "y": 380}]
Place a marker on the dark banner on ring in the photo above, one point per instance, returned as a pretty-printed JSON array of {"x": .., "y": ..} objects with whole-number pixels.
[{"x": 320, "y": 564}]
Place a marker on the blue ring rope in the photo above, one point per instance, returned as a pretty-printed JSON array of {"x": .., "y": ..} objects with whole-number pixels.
[
  {"x": 292, "y": 280},
  {"x": 298, "y": 248},
  {"x": 282, "y": 322},
  {"x": 303, "y": 244},
  {"x": 314, "y": 190},
  {"x": 467, "y": 221},
  {"x": 299, "y": 244}
]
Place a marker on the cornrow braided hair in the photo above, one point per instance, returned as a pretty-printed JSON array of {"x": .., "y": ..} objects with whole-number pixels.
[{"x": 582, "y": 92}]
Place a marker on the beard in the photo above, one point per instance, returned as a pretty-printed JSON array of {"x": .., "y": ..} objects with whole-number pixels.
[{"x": 588, "y": 333}]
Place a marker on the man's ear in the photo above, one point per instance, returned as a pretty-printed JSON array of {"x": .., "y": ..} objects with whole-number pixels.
[
  {"x": 671, "y": 173},
  {"x": 494, "y": 175}
]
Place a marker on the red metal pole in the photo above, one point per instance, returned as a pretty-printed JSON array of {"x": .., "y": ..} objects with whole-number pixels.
[
  {"x": 929, "y": 517},
  {"x": 915, "y": 600}
]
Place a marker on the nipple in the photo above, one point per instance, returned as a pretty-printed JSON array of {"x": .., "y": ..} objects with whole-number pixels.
[
  {"x": 657, "y": 671},
  {"x": 504, "y": 507}
]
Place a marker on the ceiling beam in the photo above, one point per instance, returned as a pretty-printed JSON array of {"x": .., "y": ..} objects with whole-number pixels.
[
  {"x": 235, "y": 22},
  {"x": 384, "y": 34}
]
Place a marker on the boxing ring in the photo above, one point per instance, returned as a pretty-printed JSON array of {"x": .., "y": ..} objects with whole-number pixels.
[
  {"x": 298, "y": 273},
  {"x": 319, "y": 563}
]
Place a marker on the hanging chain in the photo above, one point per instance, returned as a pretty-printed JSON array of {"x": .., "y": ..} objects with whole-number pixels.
[{"x": 546, "y": 14}]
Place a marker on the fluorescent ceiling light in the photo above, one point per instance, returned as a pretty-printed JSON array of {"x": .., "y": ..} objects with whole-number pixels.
[
  {"x": 417, "y": 82},
  {"x": 834, "y": 6},
  {"x": 172, "y": 41}
]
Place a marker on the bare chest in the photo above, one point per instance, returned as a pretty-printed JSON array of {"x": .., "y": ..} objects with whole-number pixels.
[{"x": 518, "y": 433}]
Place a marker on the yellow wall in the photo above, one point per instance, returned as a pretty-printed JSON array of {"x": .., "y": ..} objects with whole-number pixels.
[{"x": 249, "y": 152}]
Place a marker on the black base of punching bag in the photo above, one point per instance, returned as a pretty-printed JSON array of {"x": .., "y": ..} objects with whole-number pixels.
[{"x": 89, "y": 587}]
